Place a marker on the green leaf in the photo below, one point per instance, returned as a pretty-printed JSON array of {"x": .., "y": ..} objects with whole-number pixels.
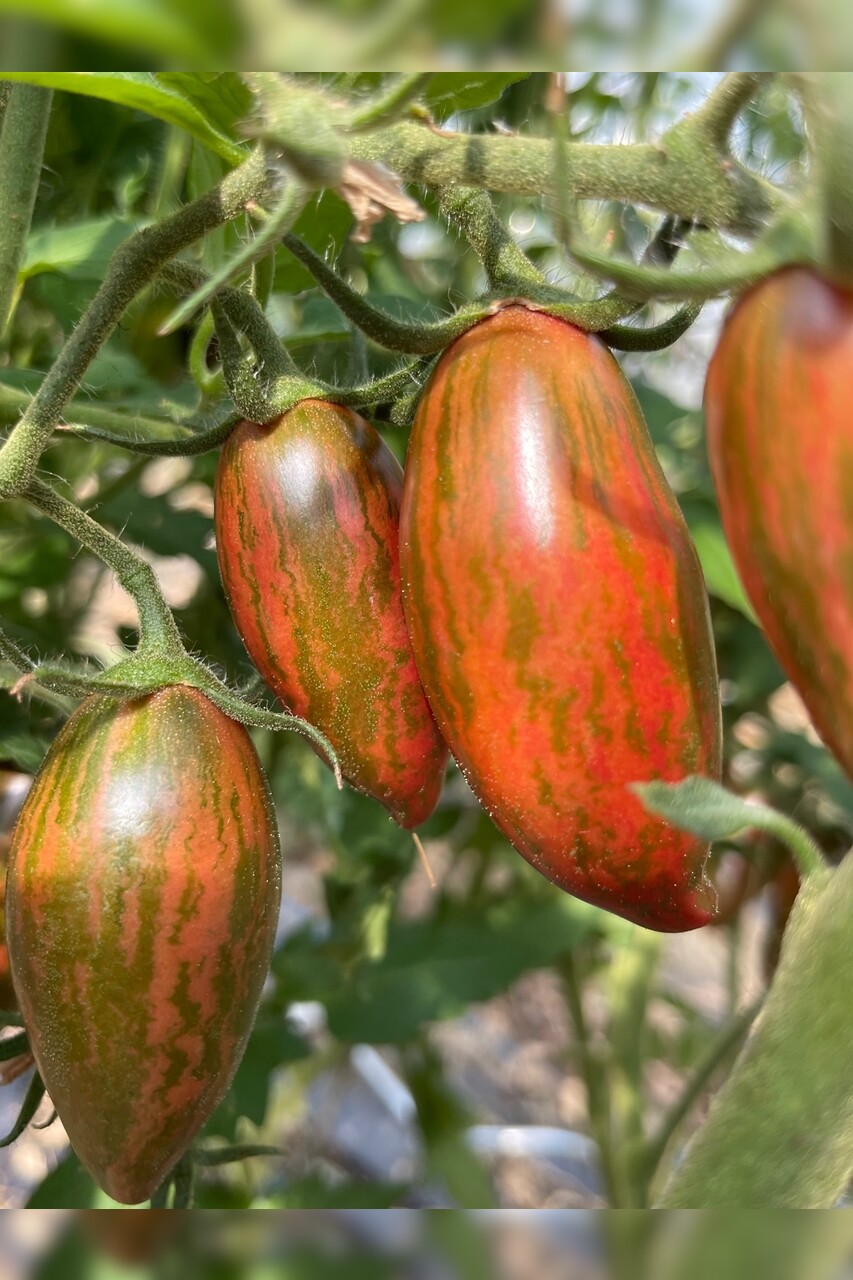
[
  {"x": 434, "y": 968},
  {"x": 700, "y": 806},
  {"x": 705, "y": 809},
  {"x": 80, "y": 250},
  {"x": 140, "y": 90},
  {"x": 68, "y": 1186},
  {"x": 270, "y": 1045},
  {"x": 221, "y": 96},
  {"x": 452, "y": 91},
  {"x": 24, "y": 750},
  {"x": 721, "y": 576}
]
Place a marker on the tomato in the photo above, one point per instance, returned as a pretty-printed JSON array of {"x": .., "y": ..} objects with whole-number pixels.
[
  {"x": 780, "y": 440},
  {"x": 307, "y": 513},
  {"x": 558, "y": 614},
  {"x": 143, "y": 893}
]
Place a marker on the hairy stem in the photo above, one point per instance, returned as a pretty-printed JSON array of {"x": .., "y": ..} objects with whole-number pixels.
[
  {"x": 243, "y": 312},
  {"x": 157, "y": 629},
  {"x": 396, "y": 335},
  {"x": 21, "y": 149},
  {"x": 133, "y": 265},
  {"x": 680, "y": 174},
  {"x": 472, "y": 212},
  {"x": 280, "y": 221},
  {"x": 723, "y": 105},
  {"x": 828, "y": 102},
  {"x": 391, "y": 104}
]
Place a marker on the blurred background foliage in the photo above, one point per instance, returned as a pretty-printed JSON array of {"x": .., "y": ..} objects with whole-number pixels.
[
  {"x": 496, "y": 1042},
  {"x": 400, "y": 34}
]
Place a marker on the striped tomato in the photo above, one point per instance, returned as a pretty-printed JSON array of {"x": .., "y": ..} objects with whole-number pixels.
[
  {"x": 307, "y": 516},
  {"x": 143, "y": 893},
  {"x": 558, "y": 614},
  {"x": 780, "y": 439},
  {"x": 13, "y": 790}
]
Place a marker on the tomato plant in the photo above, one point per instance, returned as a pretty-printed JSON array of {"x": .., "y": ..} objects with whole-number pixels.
[{"x": 353, "y": 468}]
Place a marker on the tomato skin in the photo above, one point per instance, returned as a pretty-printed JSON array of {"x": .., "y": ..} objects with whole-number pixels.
[
  {"x": 143, "y": 894},
  {"x": 307, "y": 513},
  {"x": 558, "y": 614},
  {"x": 13, "y": 790},
  {"x": 780, "y": 441}
]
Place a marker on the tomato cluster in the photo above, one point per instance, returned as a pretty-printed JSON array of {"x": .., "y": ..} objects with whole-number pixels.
[{"x": 527, "y": 598}]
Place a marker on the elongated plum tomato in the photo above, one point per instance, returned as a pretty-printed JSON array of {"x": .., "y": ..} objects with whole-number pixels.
[
  {"x": 558, "y": 613},
  {"x": 307, "y": 513},
  {"x": 779, "y": 409},
  {"x": 143, "y": 894}
]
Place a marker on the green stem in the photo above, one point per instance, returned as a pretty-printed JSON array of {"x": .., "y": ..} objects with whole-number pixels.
[
  {"x": 15, "y": 656},
  {"x": 629, "y": 986},
  {"x": 21, "y": 150},
  {"x": 594, "y": 1077},
  {"x": 828, "y": 102},
  {"x": 382, "y": 390},
  {"x": 383, "y": 329},
  {"x": 391, "y": 104},
  {"x": 731, "y": 269},
  {"x": 209, "y": 381},
  {"x": 187, "y": 446},
  {"x": 679, "y": 178},
  {"x": 133, "y": 265},
  {"x": 183, "y": 1179},
  {"x": 263, "y": 279},
  {"x": 724, "y": 104},
  {"x": 29, "y": 1107},
  {"x": 14, "y": 401},
  {"x": 213, "y": 1157},
  {"x": 726, "y": 1042},
  {"x": 157, "y": 630},
  {"x": 249, "y": 393},
  {"x": 279, "y": 222},
  {"x": 283, "y": 394},
  {"x": 472, "y": 212},
  {"x": 243, "y": 312},
  {"x": 626, "y": 337},
  {"x": 807, "y": 854}
]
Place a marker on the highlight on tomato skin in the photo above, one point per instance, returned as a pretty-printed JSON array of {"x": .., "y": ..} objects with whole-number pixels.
[
  {"x": 780, "y": 444},
  {"x": 307, "y": 513},
  {"x": 558, "y": 613},
  {"x": 143, "y": 897}
]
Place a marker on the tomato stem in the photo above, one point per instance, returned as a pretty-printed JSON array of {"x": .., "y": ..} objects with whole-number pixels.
[
  {"x": 157, "y": 630},
  {"x": 133, "y": 265},
  {"x": 280, "y": 220},
  {"x": 391, "y": 104},
  {"x": 472, "y": 212},
  {"x": 21, "y": 149},
  {"x": 828, "y": 103}
]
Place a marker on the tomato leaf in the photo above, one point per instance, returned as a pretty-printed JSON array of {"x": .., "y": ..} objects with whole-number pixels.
[
  {"x": 142, "y": 91},
  {"x": 452, "y": 91}
]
